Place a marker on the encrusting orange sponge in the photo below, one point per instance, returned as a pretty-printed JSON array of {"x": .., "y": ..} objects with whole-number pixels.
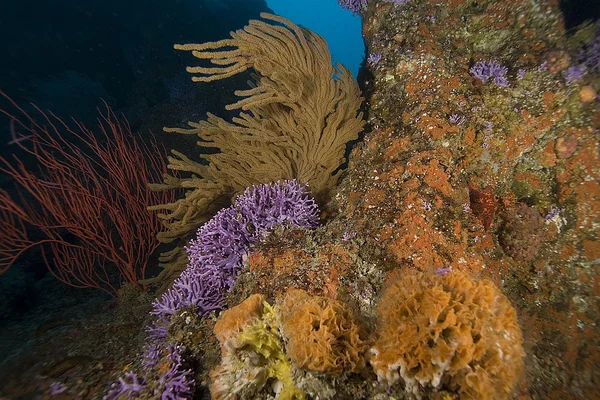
[
  {"x": 448, "y": 332},
  {"x": 234, "y": 319},
  {"x": 322, "y": 333}
]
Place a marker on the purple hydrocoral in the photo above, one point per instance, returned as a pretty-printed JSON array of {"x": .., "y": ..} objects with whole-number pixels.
[
  {"x": 485, "y": 70},
  {"x": 151, "y": 356},
  {"x": 590, "y": 54},
  {"x": 57, "y": 388},
  {"x": 130, "y": 386},
  {"x": 574, "y": 73},
  {"x": 281, "y": 203},
  {"x": 215, "y": 256},
  {"x": 175, "y": 384},
  {"x": 353, "y": 5},
  {"x": 215, "y": 259}
]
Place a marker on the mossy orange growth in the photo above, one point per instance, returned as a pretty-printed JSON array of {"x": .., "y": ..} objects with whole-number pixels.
[
  {"x": 336, "y": 261},
  {"x": 286, "y": 262},
  {"x": 323, "y": 334},
  {"x": 435, "y": 127},
  {"x": 547, "y": 99},
  {"x": 435, "y": 176},
  {"x": 525, "y": 134},
  {"x": 591, "y": 249},
  {"x": 393, "y": 173},
  {"x": 414, "y": 241},
  {"x": 448, "y": 332},
  {"x": 588, "y": 204},
  {"x": 469, "y": 136},
  {"x": 354, "y": 199},
  {"x": 448, "y": 85},
  {"x": 275, "y": 262},
  {"x": 547, "y": 157},
  {"x": 455, "y": 3},
  {"x": 374, "y": 196},
  {"x": 577, "y": 357},
  {"x": 422, "y": 85},
  {"x": 398, "y": 146}
]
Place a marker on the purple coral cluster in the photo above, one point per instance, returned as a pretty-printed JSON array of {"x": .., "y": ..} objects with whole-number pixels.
[
  {"x": 574, "y": 74},
  {"x": 353, "y": 5},
  {"x": 57, "y": 388},
  {"x": 174, "y": 384},
  {"x": 129, "y": 385},
  {"x": 486, "y": 70},
  {"x": 374, "y": 59},
  {"x": 589, "y": 56},
  {"x": 215, "y": 259},
  {"x": 215, "y": 256}
]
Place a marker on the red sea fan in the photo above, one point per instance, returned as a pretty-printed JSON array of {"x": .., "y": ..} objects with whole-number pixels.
[{"x": 85, "y": 201}]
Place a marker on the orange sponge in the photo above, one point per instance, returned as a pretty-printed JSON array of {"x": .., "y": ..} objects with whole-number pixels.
[
  {"x": 448, "y": 332},
  {"x": 234, "y": 319},
  {"x": 322, "y": 333}
]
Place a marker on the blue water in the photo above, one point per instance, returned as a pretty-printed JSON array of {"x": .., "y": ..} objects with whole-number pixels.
[{"x": 340, "y": 28}]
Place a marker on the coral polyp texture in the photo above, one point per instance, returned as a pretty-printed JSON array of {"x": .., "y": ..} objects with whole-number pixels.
[
  {"x": 490, "y": 70},
  {"x": 323, "y": 334},
  {"x": 165, "y": 378},
  {"x": 448, "y": 332}
]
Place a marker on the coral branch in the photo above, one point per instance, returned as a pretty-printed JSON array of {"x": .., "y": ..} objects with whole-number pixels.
[{"x": 87, "y": 203}]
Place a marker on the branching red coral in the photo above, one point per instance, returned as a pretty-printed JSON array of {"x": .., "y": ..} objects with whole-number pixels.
[{"x": 86, "y": 204}]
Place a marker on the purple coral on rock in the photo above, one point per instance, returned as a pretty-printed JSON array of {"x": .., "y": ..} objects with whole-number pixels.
[
  {"x": 281, "y": 203},
  {"x": 57, "y": 388},
  {"x": 215, "y": 256},
  {"x": 374, "y": 59},
  {"x": 486, "y": 70},
  {"x": 174, "y": 384},
  {"x": 215, "y": 259},
  {"x": 574, "y": 73},
  {"x": 177, "y": 382},
  {"x": 129, "y": 386},
  {"x": 353, "y": 5},
  {"x": 590, "y": 53}
]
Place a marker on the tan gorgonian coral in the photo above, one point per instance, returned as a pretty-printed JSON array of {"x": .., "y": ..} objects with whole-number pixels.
[
  {"x": 294, "y": 122},
  {"x": 448, "y": 332},
  {"x": 322, "y": 333}
]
